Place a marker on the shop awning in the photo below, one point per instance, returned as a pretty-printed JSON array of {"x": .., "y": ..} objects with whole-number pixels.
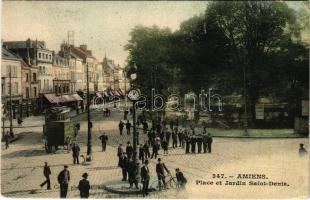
[
  {"x": 52, "y": 98},
  {"x": 77, "y": 97}
]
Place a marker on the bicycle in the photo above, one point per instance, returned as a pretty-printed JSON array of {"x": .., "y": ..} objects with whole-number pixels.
[{"x": 171, "y": 183}]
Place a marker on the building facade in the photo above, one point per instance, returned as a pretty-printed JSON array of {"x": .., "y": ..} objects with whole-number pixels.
[{"x": 11, "y": 82}]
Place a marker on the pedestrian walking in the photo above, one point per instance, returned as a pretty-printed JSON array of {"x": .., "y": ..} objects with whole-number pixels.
[
  {"x": 75, "y": 153},
  {"x": 104, "y": 139},
  {"x": 145, "y": 178},
  {"x": 84, "y": 187},
  {"x": 141, "y": 153},
  {"x": 128, "y": 126},
  {"x": 46, "y": 173},
  {"x": 129, "y": 150},
  {"x": 145, "y": 127},
  {"x": 124, "y": 165},
  {"x": 125, "y": 114},
  {"x": 132, "y": 171},
  {"x": 209, "y": 141},
  {"x": 146, "y": 148},
  {"x": 119, "y": 153},
  {"x": 121, "y": 127},
  {"x": 155, "y": 150},
  {"x": 161, "y": 171},
  {"x": 165, "y": 146},
  {"x": 63, "y": 180}
]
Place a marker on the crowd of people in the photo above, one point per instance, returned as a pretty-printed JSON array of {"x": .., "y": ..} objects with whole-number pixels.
[{"x": 160, "y": 136}]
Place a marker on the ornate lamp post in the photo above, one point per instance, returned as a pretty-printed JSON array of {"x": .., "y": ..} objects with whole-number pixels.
[{"x": 133, "y": 95}]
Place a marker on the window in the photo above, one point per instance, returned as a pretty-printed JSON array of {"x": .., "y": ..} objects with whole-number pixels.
[
  {"x": 34, "y": 77},
  {"x": 55, "y": 89},
  {"x": 50, "y": 57},
  {"x": 11, "y": 71},
  {"x": 43, "y": 70},
  {"x": 27, "y": 78},
  {"x": 27, "y": 92},
  {"x": 46, "y": 56},
  {"x": 39, "y": 55},
  {"x": 35, "y": 92},
  {"x": 15, "y": 88},
  {"x": 67, "y": 88}
]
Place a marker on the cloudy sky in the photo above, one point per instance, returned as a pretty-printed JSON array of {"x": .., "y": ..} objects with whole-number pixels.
[{"x": 103, "y": 26}]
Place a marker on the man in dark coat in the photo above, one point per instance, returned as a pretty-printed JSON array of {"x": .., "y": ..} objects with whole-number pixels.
[
  {"x": 193, "y": 144},
  {"x": 141, "y": 153},
  {"x": 46, "y": 173},
  {"x": 146, "y": 148},
  {"x": 124, "y": 165},
  {"x": 209, "y": 141},
  {"x": 174, "y": 140},
  {"x": 129, "y": 150},
  {"x": 63, "y": 180},
  {"x": 132, "y": 172},
  {"x": 155, "y": 150},
  {"x": 128, "y": 126},
  {"x": 119, "y": 153},
  {"x": 145, "y": 178},
  {"x": 145, "y": 127},
  {"x": 104, "y": 139},
  {"x": 84, "y": 187},
  {"x": 168, "y": 134},
  {"x": 199, "y": 143},
  {"x": 180, "y": 137},
  {"x": 121, "y": 127},
  {"x": 75, "y": 153},
  {"x": 204, "y": 143},
  {"x": 187, "y": 143},
  {"x": 160, "y": 171},
  {"x": 180, "y": 178},
  {"x": 171, "y": 125}
]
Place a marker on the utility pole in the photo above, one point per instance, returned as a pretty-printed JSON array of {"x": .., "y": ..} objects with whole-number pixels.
[
  {"x": 89, "y": 124},
  {"x": 245, "y": 107},
  {"x": 10, "y": 93}
]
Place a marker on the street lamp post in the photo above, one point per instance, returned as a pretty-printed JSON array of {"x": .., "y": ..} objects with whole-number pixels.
[
  {"x": 89, "y": 124},
  {"x": 11, "y": 107},
  {"x": 133, "y": 95}
]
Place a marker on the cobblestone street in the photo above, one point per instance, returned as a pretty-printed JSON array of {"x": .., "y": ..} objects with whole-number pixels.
[{"x": 278, "y": 159}]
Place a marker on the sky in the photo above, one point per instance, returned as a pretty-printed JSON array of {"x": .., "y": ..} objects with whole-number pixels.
[{"x": 103, "y": 26}]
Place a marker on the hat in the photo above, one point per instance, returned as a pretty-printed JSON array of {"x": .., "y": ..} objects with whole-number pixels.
[
  {"x": 159, "y": 159},
  {"x": 85, "y": 175},
  {"x": 146, "y": 162},
  {"x": 66, "y": 166}
]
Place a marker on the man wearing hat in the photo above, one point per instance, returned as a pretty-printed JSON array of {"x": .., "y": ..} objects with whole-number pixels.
[
  {"x": 302, "y": 150},
  {"x": 46, "y": 172},
  {"x": 84, "y": 186},
  {"x": 160, "y": 171},
  {"x": 124, "y": 165},
  {"x": 145, "y": 178},
  {"x": 63, "y": 180}
]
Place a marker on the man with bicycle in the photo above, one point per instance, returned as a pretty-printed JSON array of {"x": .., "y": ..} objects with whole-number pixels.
[{"x": 161, "y": 171}]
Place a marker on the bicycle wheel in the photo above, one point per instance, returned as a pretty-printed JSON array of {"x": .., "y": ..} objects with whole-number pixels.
[
  {"x": 154, "y": 186},
  {"x": 173, "y": 183}
]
